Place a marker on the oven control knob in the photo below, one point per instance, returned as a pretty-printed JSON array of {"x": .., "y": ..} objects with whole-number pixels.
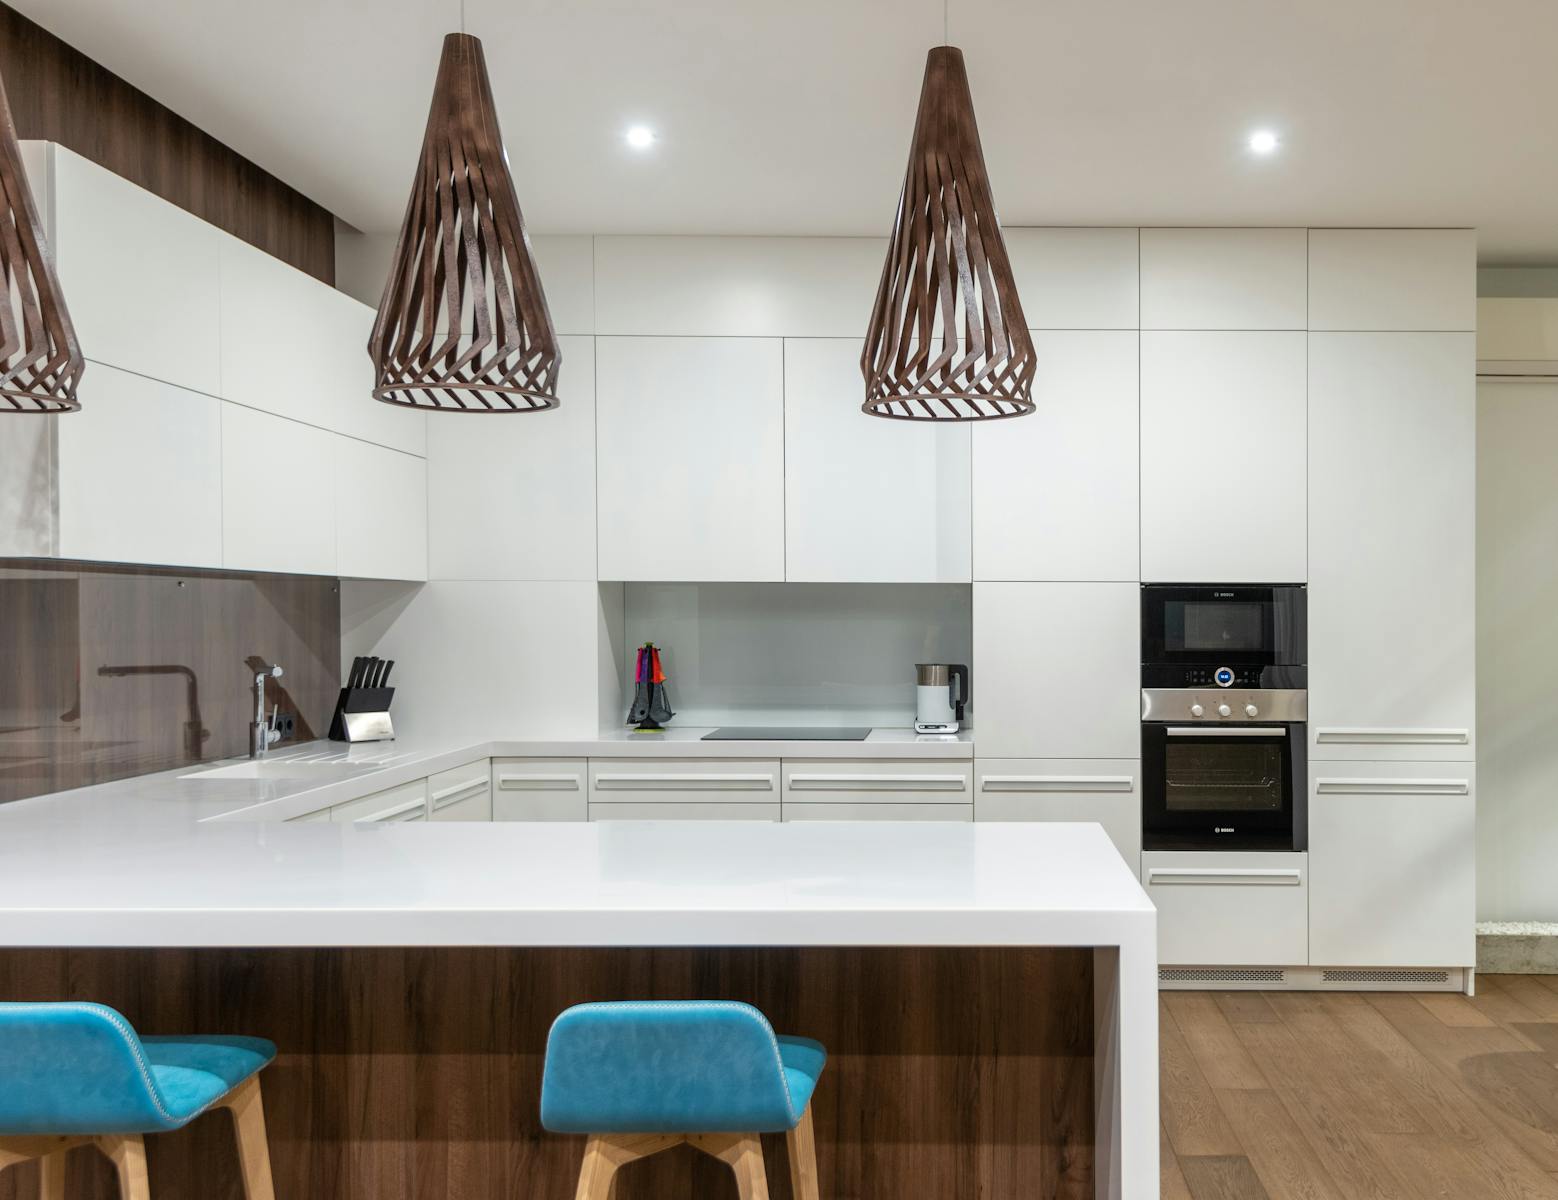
[
  {"x": 1196, "y": 710},
  {"x": 1251, "y": 711},
  {"x": 1224, "y": 711}
]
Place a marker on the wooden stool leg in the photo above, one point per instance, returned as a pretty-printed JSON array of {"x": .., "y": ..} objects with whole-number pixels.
[
  {"x": 52, "y": 1169},
  {"x": 253, "y": 1146},
  {"x": 605, "y": 1153},
  {"x": 801, "y": 1146},
  {"x": 128, "y": 1154},
  {"x": 743, "y": 1154}
]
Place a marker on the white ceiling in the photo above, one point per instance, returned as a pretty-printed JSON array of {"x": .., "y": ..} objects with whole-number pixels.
[{"x": 793, "y": 116}]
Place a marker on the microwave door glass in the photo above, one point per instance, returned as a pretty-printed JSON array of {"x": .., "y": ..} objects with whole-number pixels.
[
  {"x": 1215, "y": 628},
  {"x": 1223, "y": 777}
]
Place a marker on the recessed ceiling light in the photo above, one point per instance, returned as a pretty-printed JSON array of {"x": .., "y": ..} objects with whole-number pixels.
[
  {"x": 640, "y": 137},
  {"x": 1263, "y": 142}
]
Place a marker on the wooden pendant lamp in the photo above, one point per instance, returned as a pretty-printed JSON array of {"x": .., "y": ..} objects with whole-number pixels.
[
  {"x": 464, "y": 326},
  {"x": 947, "y": 278},
  {"x": 40, "y": 362}
]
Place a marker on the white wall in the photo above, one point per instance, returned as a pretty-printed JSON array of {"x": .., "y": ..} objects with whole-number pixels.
[{"x": 1517, "y": 652}]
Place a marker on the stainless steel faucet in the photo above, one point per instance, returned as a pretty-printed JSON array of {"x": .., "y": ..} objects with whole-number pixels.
[{"x": 263, "y": 734}]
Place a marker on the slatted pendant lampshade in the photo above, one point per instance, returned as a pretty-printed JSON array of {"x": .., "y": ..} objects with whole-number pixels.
[
  {"x": 464, "y": 326},
  {"x": 947, "y": 340},
  {"x": 40, "y": 362}
]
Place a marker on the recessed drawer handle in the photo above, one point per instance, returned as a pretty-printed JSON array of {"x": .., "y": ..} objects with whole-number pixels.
[
  {"x": 1055, "y": 783},
  {"x": 389, "y": 814},
  {"x": 1393, "y": 787},
  {"x": 706, "y": 783},
  {"x": 1393, "y": 737},
  {"x": 1255, "y": 876},
  {"x": 459, "y": 791},
  {"x": 538, "y": 783},
  {"x": 870, "y": 783}
]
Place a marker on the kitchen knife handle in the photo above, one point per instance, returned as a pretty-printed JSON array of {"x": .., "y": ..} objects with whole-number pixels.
[{"x": 384, "y": 675}]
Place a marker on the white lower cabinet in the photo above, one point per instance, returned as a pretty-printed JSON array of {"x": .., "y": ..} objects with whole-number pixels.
[
  {"x": 1065, "y": 789},
  {"x": 319, "y": 814},
  {"x": 1229, "y": 908},
  {"x": 878, "y": 790},
  {"x": 1392, "y": 846},
  {"x": 679, "y": 788},
  {"x": 408, "y": 802},
  {"x": 463, "y": 794},
  {"x": 540, "y": 789}
]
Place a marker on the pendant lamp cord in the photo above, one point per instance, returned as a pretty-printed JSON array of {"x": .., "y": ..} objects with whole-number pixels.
[
  {"x": 946, "y": 34},
  {"x": 462, "y": 16}
]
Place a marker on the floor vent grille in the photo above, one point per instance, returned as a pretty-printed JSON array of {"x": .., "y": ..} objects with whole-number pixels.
[
  {"x": 1221, "y": 975},
  {"x": 1385, "y": 976}
]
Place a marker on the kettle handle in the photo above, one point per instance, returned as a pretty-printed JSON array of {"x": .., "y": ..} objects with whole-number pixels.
[{"x": 958, "y": 688}]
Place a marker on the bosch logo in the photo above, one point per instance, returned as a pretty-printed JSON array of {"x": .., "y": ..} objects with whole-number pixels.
[
  {"x": 1223, "y": 829},
  {"x": 1223, "y": 676}
]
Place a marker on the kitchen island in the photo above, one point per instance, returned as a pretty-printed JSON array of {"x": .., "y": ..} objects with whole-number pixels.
[{"x": 987, "y": 992}]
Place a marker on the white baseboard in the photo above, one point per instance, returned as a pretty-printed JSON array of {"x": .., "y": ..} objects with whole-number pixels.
[{"x": 1315, "y": 979}]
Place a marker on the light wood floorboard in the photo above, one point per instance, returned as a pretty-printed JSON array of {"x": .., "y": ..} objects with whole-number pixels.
[{"x": 1362, "y": 1096}]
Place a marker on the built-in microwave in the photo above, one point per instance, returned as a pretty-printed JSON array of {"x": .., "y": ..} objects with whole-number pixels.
[{"x": 1242, "y": 635}]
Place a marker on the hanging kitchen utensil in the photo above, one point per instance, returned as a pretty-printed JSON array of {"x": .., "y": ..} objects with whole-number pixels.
[{"x": 651, "y": 707}]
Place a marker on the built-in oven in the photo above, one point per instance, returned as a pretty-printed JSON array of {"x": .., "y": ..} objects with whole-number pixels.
[
  {"x": 1224, "y": 705},
  {"x": 1223, "y": 770}
]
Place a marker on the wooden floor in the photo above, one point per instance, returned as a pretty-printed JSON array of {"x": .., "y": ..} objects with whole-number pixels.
[{"x": 1332, "y": 1096}]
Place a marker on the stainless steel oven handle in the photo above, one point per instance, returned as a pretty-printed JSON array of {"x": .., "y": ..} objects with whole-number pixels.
[{"x": 1226, "y": 731}]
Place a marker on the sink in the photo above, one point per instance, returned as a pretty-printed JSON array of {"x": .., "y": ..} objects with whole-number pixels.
[{"x": 323, "y": 767}]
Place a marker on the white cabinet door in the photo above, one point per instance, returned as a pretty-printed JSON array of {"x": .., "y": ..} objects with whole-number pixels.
[
  {"x": 514, "y": 497},
  {"x": 859, "y": 784},
  {"x": 1222, "y": 458},
  {"x": 866, "y": 500},
  {"x": 1055, "y": 492},
  {"x": 408, "y": 802},
  {"x": 1392, "y": 853},
  {"x": 1229, "y": 909},
  {"x": 381, "y": 510},
  {"x": 140, "y": 276},
  {"x": 1400, "y": 279},
  {"x": 878, "y": 812},
  {"x": 676, "y": 811},
  {"x": 690, "y": 458},
  {"x": 684, "y": 781},
  {"x": 278, "y": 494},
  {"x": 1223, "y": 278},
  {"x": 1076, "y": 278},
  {"x": 461, "y": 794},
  {"x": 1392, "y": 518},
  {"x": 1057, "y": 670},
  {"x": 540, "y": 789},
  {"x": 140, "y": 473},
  {"x": 1055, "y": 789}
]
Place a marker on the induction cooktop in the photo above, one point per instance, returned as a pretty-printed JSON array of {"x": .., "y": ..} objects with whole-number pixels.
[{"x": 784, "y": 733}]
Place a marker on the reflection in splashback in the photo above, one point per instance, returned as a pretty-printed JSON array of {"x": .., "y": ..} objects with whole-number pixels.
[{"x": 107, "y": 672}]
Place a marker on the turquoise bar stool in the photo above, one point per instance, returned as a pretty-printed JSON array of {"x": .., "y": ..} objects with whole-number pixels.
[
  {"x": 78, "y": 1075},
  {"x": 642, "y": 1076}
]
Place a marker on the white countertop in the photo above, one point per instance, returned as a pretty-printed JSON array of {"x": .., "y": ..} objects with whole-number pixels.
[
  {"x": 626, "y": 883},
  {"x": 190, "y": 794}
]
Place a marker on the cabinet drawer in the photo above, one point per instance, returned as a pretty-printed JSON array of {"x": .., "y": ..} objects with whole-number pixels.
[
  {"x": 834, "y": 810},
  {"x": 408, "y": 802},
  {"x": 540, "y": 789},
  {"x": 879, "y": 782},
  {"x": 684, "y": 781},
  {"x": 1229, "y": 909},
  {"x": 463, "y": 794},
  {"x": 672, "y": 810},
  {"x": 1065, "y": 789},
  {"x": 1392, "y": 847}
]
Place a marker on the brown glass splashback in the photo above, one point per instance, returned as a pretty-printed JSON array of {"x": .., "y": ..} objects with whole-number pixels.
[{"x": 107, "y": 672}]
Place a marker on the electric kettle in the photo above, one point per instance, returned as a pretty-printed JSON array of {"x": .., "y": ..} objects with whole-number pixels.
[{"x": 939, "y": 696}]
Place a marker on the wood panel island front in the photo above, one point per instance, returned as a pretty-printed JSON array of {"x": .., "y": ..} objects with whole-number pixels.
[{"x": 987, "y": 992}]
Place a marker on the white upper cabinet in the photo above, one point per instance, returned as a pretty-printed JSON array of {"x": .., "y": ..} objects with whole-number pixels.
[
  {"x": 1076, "y": 278},
  {"x": 513, "y": 496},
  {"x": 690, "y": 458},
  {"x": 1223, "y": 278},
  {"x": 1055, "y": 492},
  {"x": 567, "y": 267},
  {"x": 139, "y": 274},
  {"x": 1057, "y": 670},
  {"x": 1392, "y": 499},
  {"x": 736, "y": 286},
  {"x": 1393, "y": 279},
  {"x": 867, "y": 500},
  {"x": 140, "y": 473},
  {"x": 381, "y": 509},
  {"x": 1222, "y": 457},
  {"x": 278, "y": 494}
]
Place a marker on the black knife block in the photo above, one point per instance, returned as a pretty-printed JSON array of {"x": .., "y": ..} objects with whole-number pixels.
[{"x": 358, "y": 700}]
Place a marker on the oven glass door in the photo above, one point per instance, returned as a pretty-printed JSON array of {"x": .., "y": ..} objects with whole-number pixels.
[
  {"x": 1223, "y": 626},
  {"x": 1210, "y": 786}
]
